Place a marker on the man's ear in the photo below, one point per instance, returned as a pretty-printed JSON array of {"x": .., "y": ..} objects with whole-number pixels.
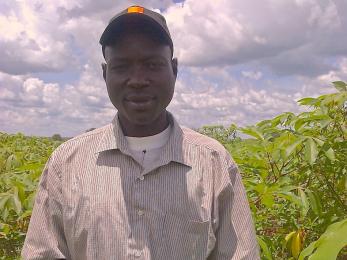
[
  {"x": 174, "y": 63},
  {"x": 104, "y": 68}
]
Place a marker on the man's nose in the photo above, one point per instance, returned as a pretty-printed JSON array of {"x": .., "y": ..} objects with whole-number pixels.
[{"x": 138, "y": 78}]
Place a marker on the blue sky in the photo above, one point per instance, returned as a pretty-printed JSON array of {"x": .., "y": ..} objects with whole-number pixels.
[{"x": 240, "y": 61}]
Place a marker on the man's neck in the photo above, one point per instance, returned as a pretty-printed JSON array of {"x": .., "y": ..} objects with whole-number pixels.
[{"x": 132, "y": 130}]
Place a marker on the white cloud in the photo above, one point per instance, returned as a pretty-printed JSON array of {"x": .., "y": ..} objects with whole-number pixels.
[
  {"x": 41, "y": 36},
  {"x": 252, "y": 74},
  {"x": 46, "y": 108},
  {"x": 30, "y": 41},
  {"x": 290, "y": 37},
  {"x": 240, "y": 60},
  {"x": 36, "y": 107},
  {"x": 229, "y": 101},
  {"x": 322, "y": 84}
]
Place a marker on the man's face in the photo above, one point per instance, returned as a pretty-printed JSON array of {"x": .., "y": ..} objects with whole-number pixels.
[{"x": 140, "y": 78}]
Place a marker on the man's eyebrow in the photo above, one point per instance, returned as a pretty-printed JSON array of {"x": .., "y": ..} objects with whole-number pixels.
[
  {"x": 155, "y": 57},
  {"x": 149, "y": 57},
  {"x": 118, "y": 59}
]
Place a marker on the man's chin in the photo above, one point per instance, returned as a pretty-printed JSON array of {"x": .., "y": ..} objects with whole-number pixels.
[{"x": 140, "y": 119}]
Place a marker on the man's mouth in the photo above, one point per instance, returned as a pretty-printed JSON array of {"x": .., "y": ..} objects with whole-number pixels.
[
  {"x": 139, "y": 98},
  {"x": 139, "y": 102}
]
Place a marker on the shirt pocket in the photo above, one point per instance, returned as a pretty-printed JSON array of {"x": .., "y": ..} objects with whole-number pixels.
[{"x": 185, "y": 238}]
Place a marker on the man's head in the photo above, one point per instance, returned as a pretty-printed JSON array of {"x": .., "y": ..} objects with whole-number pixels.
[
  {"x": 139, "y": 18},
  {"x": 139, "y": 72}
]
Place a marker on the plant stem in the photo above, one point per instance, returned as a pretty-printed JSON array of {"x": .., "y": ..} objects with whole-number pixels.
[{"x": 333, "y": 192}]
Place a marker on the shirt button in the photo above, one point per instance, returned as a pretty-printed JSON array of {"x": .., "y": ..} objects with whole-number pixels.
[
  {"x": 140, "y": 212},
  {"x": 138, "y": 253},
  {"x": 141, "y": 177}
]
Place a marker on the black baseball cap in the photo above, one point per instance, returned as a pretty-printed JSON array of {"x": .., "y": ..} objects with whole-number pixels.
[{"x": 140, "y": 16}]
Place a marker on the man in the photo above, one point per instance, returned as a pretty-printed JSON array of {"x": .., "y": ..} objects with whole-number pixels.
[{"x": 142, "y": 187}]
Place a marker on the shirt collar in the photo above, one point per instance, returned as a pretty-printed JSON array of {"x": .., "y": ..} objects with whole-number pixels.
[
  {"x": 149, "y": 142},
  {"x": 174, "y": 149}
]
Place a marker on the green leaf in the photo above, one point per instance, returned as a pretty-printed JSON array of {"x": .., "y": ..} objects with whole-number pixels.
[
  {"x": 252, "y": 131},
  {"x": 318, "y": 141},
  {"x": 329, "y": 244},
  {"x": 290, "y": 149},
  {"x": 307, "y": 101},
  {"x": 325, "y": 123},
  {"x": 305, "y": 205},
  {"x": 5, "y": 214},
  {"x": 3, "y": 201},
  {"x": 268, "y": 200},
  {"x": 29, "y": 202},
  {"x": 340, "y": 86},
  {"x": 307, "y": 118},
  {"x": 298, "y": 123},
  {"x": 261, "y": 188},
  {"x": 342, "y": 184},
  {"x": 290, "y": 197},
  {"x": 330, "y": 154},
  {"x": 264, "y": 124},
  {"x": 15, "y": 203},
  {"x": 311, "y": 151},
  {"x": 20, "y": 190},
  {"x": 12, "y": 162},
  {"x": 264, "y": 248},
  {"x": 5, "y": 228},
  {"x": 25, "y": 214},
  {"x": 314, "y": 201}
]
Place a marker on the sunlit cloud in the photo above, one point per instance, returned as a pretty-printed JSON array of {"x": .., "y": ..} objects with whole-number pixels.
[{"x": 240, "y": 61}]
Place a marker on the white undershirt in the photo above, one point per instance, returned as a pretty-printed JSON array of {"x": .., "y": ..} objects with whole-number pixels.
[{"x": 146, "y": 150}]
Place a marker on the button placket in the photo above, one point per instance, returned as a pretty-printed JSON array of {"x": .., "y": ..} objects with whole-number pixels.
[
  {"x": 138, "y": 253},
  {"x": 140, "y": 212}
]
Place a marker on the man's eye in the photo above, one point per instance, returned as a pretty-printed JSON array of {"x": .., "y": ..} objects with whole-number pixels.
[
  {"x": 154, "y": 65},
  {"x": 119, "y": 67},
  {"x": 151, "y": 65}
]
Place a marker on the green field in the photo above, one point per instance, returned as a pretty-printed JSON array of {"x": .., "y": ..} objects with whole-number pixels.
[{"x": 293, "y": 166}]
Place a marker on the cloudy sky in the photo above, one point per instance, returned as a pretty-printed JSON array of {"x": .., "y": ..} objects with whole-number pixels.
[{"x": 240, "y": 61}]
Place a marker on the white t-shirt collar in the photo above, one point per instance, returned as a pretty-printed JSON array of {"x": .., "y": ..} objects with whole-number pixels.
[{"x": 149, "y": 142}]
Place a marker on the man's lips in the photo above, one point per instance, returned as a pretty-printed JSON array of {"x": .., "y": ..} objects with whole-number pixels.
[
  {"x": 139, "y": 102},
  {"x": 139, "y": 98}
]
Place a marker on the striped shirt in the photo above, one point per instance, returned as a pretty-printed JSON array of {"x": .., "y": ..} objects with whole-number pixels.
[{"x": 94, "y": 201}]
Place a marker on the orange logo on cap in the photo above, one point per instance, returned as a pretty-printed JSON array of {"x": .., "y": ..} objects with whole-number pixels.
[{"x": 136, "y": 9}]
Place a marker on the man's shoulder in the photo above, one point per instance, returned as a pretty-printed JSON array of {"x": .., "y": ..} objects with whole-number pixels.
[
  {"x": 88, "y": 141},
  {"x": 197, "y": 139}
]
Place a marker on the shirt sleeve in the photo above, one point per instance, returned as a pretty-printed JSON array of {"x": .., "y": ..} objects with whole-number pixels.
[
  {"x": 235, "y": 233},
  {"x": 45, "y": 236}
]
